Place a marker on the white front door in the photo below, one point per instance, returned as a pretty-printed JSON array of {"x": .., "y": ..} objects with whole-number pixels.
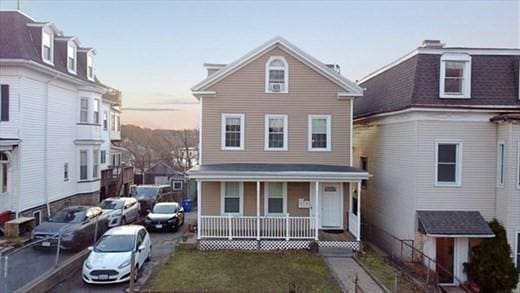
[{"x": 331, "y": 206}]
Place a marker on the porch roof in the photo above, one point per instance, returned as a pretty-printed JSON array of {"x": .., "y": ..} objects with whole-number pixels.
[
  {"x": 453, "y": 224},
  {"x": 256, "y": 171}
]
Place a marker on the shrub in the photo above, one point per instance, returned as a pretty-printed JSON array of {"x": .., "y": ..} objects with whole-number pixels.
[{"x": 491, "y": 266}]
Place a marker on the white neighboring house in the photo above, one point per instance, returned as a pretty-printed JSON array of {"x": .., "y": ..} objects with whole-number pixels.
[
  {"x": 439, "y": 129},
  {"x": 55, "y": 135}
]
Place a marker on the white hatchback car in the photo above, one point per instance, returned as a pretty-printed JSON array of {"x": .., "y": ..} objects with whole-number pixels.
[{"x": 109, "y": 260}]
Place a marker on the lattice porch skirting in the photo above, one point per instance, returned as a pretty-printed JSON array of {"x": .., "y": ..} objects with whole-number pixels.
[{"x": 224, "y": 244}]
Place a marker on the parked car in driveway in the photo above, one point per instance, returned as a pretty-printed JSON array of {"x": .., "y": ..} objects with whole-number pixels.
[
  {"x": 165, "y": 215},
  {"x": 77, "y": 227},
  {"x": 110, "y": 259},
  {"x": 120, "y": 210},
  {"x": 149, "y": 195}
]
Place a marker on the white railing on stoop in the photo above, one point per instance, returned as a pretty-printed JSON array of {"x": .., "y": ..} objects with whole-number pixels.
[{"x": 246, "y": 227}]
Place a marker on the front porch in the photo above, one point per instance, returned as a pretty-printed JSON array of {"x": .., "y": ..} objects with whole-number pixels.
[{"x": 265, "y": 210}]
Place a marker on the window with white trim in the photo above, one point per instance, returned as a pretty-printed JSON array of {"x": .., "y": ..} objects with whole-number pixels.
[
  {"x": 455, "y": 76},
  {"x": 177, "y": 185},
  {"x": 275, "y": 198},
  {"x": 500, "y": 164},
  {"x": 103, "y": 156},
  {"x": 47, "y": 45},
  {"x": 83, "y": 111},
  {"x": 232, "y": 131},
  {"x": 4, "y": 164},
  {"x": 71, "y": 57},
  {"x": 518, "y": 166},
  {"x": 276, "y": 75},
  {"x": 96, "y": 111},
  {"x": 448, "y": 163},
  {"x": 90, "y": 65},
  {"x": 232, "y": 195},
  {"x": 95, "y": 164},
  {"x": 276, "y": 132},
  {"x": 105, "y": 120},
  {"x": 83, "y": 165},
  {"x": 113, "y": 121},
  {"x": 319, "y": 133}
]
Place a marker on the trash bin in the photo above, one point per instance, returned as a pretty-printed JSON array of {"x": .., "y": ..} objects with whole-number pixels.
[{"x": 186, "y": 204}]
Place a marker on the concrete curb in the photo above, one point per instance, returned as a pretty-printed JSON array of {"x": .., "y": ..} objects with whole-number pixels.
[{"x": 50, "y": 279}]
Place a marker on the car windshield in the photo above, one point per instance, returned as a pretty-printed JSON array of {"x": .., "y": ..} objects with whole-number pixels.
[
  {"x": 69, "y": 216},
  {"x": 115, "y": 243},
  {"x": 145, "y": 191},
  {"x": 165, "y": 209},
  {"x": 108, "y": 204}
]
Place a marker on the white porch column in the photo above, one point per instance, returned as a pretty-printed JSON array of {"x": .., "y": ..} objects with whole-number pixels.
[
  {"x": 358, "y": 236},
  {"x": 317, "y": 208},
  {"x": 257, "y": 210},
  {"x": 199, "y": 207}
]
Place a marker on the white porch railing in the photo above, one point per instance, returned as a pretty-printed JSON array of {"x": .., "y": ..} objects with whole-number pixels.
[{"x": 246, "y": 227}]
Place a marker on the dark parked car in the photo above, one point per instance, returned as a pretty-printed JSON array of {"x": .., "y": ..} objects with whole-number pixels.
[
  {"x": 149, "y": 195},
  {"x": 165, "y": 215},
  {"x": 75, "y": 225}
]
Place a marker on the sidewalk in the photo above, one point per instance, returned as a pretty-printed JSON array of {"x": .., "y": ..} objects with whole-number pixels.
[{"x": 345, "y": 270}]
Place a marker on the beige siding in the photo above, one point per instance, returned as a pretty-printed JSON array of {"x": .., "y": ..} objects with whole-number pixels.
[
  {"x": 389, "y": 199},
  {"x": 210, "y": 198},
  {"x": 478, "y": 167},
  {"x": 244, "y": 92},
  {"x": 296, "y": 190}
]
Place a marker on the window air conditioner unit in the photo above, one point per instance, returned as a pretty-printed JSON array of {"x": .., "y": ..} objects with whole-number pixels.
[{"x": 276, "y": 87}]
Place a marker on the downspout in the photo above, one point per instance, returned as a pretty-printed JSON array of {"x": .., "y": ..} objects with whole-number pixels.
[{"x": 45, "y": 145}]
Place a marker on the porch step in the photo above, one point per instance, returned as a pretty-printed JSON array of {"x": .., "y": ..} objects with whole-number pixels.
[{"x": 336, "y": 252}]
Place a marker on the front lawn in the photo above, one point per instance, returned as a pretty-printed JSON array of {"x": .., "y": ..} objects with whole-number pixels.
[{"x": 193, "y": 270}]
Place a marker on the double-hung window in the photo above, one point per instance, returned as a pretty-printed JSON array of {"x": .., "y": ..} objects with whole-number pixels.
[
  {"x": 232, "y": 131},
  {"x": 71, "y": 57},
  {"x": 276, "y": 133},
  {"x": 500, "y": 164},
  {"x": 232, "y": 197},
  {"x": 455, "y": 76},
  {"x": 276, "y": 75},
  {"x": 83, "y": 165},
  {"x": 319, "y": 133},
  {"x": 95, "y": 164},
  {"x": 47, "y": 46},
  {"x": 83, "y": 111},
  {"x": 105, "y": 120},
  {"x": 448, "y": 163},
  {"x": 66, "y": 171},
  {"x": 96, "y": 111},
  {"x": 275, "y": 198},
  {"x": 90, "y": 66},
  {"x": 113, "y": 121},
  {"x": 103, "y": 156},
  {"x": 4, "y": 163}
]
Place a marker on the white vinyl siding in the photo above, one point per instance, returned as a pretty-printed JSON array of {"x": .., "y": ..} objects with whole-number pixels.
[
  {"x": 233, "y": 131},
  {"x": 276, "y": 132},
  {"x": 319, "y": 133},
  {"x": 232, "y": 197},
  {"x": 448, "y": 163}
]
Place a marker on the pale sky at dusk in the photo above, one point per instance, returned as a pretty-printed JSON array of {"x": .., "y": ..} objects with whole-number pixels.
[{"x": 154, "y": 50}]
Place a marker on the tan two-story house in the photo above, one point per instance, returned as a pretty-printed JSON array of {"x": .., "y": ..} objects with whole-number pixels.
[{"x": 276, "y": 153}]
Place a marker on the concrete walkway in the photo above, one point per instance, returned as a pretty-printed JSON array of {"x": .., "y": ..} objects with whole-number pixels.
[{"x": 345, "y": 270}]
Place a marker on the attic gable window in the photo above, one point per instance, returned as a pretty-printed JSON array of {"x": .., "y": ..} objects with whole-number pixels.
[
  {"x": 71, "y": 57},
  {"x": 455, "y": 76},
  {"x": 276, "y": 75},
  {"x": 90, "y": 66},
  {"x": 47, "y": 46}
]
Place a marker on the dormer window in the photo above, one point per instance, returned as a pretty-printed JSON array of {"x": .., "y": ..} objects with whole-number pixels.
[
  {"x": 276, "y": 75},
  {"x": 90, "y": 66},
  {"x": 71, "y": 57},
  {"x": 455, "y": 76},
  {"x": 47, "y": 46}
]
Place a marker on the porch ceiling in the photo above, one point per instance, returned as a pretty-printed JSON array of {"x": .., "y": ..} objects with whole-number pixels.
[{"x": 294, "y": 172}]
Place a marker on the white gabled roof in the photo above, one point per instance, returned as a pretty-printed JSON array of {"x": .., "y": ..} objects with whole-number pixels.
[{"x": 351, "y": 88}]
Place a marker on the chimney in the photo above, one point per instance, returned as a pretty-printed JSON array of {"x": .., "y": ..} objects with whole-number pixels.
[
  {"x": 334, "y": 67},
  {"x": 432, "y": 44},
  {"x": 213, "y": 67}
]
